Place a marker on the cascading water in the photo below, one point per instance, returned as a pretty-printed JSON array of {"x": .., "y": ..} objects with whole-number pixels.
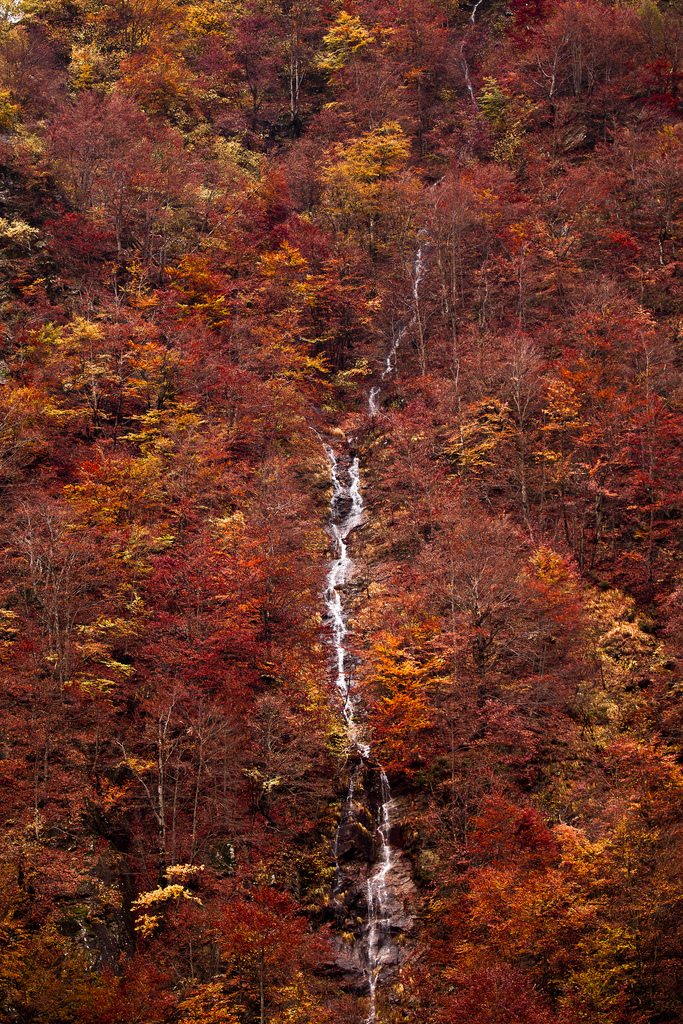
[
  {"x": 463, "y": 62},
  {"x": 390, "y": 362},
  {"x": 379, "y": 909},
  {"x": 376, "y": 948},
  {"x": 346, "y": 513}
]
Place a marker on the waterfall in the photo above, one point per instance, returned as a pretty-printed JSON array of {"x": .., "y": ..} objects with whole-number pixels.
[
  {"x": 379, "y": 908},
  {"x": 473, "y": 15},
  {"x": 346, "y": 513},
  {"x": 390, "y": 361},
  {"x": 376, "y": 947},
  {"x": 463, "y": 62}
]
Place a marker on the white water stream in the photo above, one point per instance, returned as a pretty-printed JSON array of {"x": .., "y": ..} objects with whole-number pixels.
[
  {"x": 463, "y": 62},
  {"x": 379, "y": 909},
  {"x": 346, "y": 513},
  {"x": 390, "y": 362}
]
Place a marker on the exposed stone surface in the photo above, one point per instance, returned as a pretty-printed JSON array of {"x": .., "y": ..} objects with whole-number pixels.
[{"x": 357, "y": 857}]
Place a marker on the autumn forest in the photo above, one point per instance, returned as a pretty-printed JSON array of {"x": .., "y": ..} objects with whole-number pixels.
[{"x": 381, "y": 304}]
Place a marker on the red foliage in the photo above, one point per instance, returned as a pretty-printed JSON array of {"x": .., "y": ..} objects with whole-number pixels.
[
  {"x": 507, "y": 834},
  {"x": 499, "y": 994}
]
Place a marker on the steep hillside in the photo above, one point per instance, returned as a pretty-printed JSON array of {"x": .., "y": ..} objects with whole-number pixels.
[{"x": 341, "y": 408}]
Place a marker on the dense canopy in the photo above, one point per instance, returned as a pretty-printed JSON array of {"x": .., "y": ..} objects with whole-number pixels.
[{"x": 223, "y": 227}]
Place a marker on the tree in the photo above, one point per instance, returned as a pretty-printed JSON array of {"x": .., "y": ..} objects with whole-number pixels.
[
  {"x": 52, "y": 585},
  {"x": 361, "y": 180},
  {"x": 133, "y": 24},
  {"x": 261, "y": 940},
  {"x": 255, "y": 51},
  {"x": 401, "y": 686},
  {"x": 117, "y": 165}
]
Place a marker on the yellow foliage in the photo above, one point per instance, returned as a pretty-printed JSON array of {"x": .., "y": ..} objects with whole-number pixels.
[
  {"x": 207, "y": 1004},
  {"x": 349, "y": 378},
  {"x": 149, "y": 921},
  {"x": 137, "y": 765},
  {"x": 493, "y": 102},
  {"x": 374, "y": 157},
  {"x": 17, "y": 230},
  {"x": 207, "y": 19},
  {"x": 91, "y": 684},
  {"x": 369, "y": 188},
  {"x": 9, "y": 112},
  {"x": 181, "y": 873},
  {"x": 84, "y": 67},
  {"x": 116, "y": 627},
  {"x": 346, "y": 37},
  {"x": 506, "y": 149},
  {"x": 287, "y": 257},
  {"x": 299, "y": 1005},
  {"x": 554, "y": 571},
  {"x": 486, "y": 425},
  {"x": 563, "y": 405},
  {"x": 162, "y": 894}
]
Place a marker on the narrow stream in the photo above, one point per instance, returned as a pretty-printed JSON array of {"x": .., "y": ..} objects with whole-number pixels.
[
  {"x": 374, "y": 947},
  {"x": 390, "y": 362},
  {"x": 463, "y": 62},
  {"x": 346, "y": 513},
  {"x": 379, "y": 951}
]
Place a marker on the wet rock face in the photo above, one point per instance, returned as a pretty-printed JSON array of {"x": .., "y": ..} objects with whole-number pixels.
[{"x": 374, "y": 894}]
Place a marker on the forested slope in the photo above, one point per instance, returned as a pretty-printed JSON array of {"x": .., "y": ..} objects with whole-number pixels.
[{"x": 220, "y": 225}]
